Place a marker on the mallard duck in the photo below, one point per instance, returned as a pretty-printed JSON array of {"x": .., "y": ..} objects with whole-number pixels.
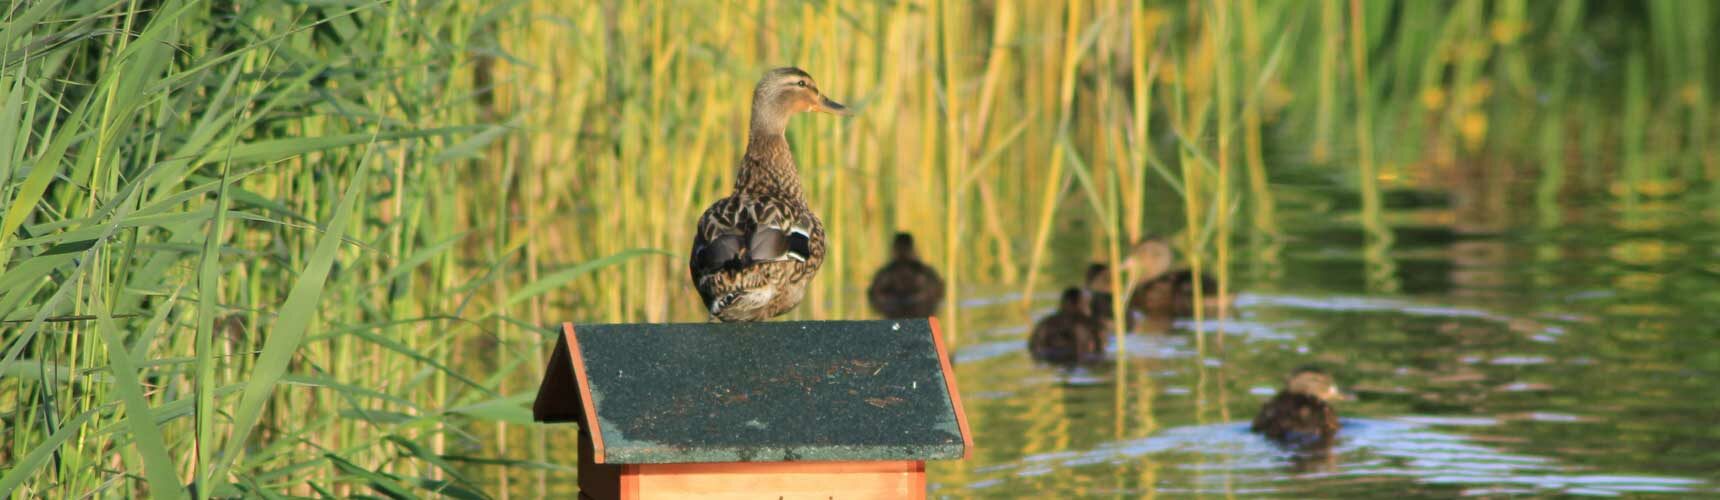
[
  {"x": 755, "y": 251},
  {"x": 1069, "y": 335},
  {"x": 1301, "y": 414},
  {"x": 1160, "y": 290},
  {"x": 905, "y": 287}
]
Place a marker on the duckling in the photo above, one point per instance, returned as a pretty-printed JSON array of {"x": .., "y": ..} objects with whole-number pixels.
[
  {"x": 1070, "y": 335},
  {"x": 755, "y": 251},
  {"x": 1163, "y": 291},
  {"x": 905, "y": 287},
  {"x": 1301, "y": 414}
]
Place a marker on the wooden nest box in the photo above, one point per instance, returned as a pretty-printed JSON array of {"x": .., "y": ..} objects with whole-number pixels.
[{"x": 817, "y": 409}]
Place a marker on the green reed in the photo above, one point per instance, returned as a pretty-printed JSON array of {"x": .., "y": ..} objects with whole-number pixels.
[{"x": 183, "y": 205}]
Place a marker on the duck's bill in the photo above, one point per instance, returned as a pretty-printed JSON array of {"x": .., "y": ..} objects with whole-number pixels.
[{"x": 825, "y": 105}]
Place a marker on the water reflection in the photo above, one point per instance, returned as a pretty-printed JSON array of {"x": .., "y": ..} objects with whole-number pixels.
[
  {"x": 1369, "y": 450},
  {"x": 1564, "y": 350},
  {"x": 1456, "y": 397}
]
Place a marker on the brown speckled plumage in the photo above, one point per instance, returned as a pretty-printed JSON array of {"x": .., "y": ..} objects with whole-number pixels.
[{"x": 755, "y": 250}]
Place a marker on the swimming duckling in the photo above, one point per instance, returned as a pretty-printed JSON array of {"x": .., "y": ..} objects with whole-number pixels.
[
  {"x": 905, "y": 287},
  {"x": 755, "y": 251},
  {"x": 1070, "y": 335},
  {"x": 1161, "y": 291},
  {"x": 1301, "y": 414}
]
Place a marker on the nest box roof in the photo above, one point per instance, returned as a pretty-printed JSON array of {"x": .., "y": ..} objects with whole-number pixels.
[{"x": 757, "y": 392}]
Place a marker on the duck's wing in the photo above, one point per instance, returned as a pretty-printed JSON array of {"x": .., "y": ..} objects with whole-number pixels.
[
  {"x": 715, "y": 254},
  {"x": 783, "y": 229},
  {"x": 740, "y": 230},
  {"x": 779, "y": 243},
  {"x": 717, "y": 242}
]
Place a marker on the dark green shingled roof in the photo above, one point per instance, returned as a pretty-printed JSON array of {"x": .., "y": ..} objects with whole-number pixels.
[{"x": 767, "y": 392}]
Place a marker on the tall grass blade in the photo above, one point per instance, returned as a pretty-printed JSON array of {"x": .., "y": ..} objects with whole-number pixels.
[
  {"x": 208, "y": 290},
  {"x": 44, "y": 451},
  {"x": 559, "y": 279},
  {"x": 297, "y": 312},
  {"x": 158, "y": 464}
]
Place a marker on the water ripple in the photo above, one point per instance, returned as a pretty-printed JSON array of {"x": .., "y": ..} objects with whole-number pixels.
[{"x": 1408, "y": 447}]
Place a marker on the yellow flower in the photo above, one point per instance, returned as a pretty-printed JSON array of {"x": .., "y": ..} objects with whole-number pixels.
[{"x": 1433, "y": 98}]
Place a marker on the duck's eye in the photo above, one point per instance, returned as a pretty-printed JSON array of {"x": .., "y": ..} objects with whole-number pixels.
[{"x": 800, "y": 83}]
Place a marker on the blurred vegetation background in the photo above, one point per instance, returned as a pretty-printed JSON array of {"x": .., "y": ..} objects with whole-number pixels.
[{"x": 310, "y": 247}]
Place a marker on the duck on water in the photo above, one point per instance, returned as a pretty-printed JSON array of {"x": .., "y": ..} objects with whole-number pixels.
[
  {"x": 1302, "y": 413},
  {"x": 905, "y": 287}
]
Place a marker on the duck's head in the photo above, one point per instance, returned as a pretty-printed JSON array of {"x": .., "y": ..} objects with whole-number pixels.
[
  {"x": 1314, "y": 382},
  {"x": 784, "y": 92},
  {"x": 1099, "y": 277},
  {"x": 902, "y": 247},
  {"x": 1073, "y": 301},
  {"x": 1151, "y": 258}
]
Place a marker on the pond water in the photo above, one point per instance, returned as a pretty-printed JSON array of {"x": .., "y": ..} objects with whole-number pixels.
[{"x": 1493, "y": 351}]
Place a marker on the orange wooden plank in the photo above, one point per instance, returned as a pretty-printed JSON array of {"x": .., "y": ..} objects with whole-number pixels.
[
  {"x": 782, "y": 467},
  {"x": 787, "y": 480},
  {"x": 920, "y": 478},
  {"x": 955, "y": 394},
  {"x": 630, "y": 483},
  {"x": 590, "y": 420}
]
